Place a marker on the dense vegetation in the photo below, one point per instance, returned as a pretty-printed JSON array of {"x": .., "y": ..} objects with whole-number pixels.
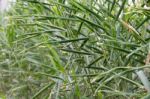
[{"x": 74, "y": 49}]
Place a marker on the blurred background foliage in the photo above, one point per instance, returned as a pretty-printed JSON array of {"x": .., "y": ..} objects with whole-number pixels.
[{"x": 74, "y": 49}]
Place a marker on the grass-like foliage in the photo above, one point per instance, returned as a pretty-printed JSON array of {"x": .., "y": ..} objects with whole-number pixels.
[{"x": 74, "y": 49}]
